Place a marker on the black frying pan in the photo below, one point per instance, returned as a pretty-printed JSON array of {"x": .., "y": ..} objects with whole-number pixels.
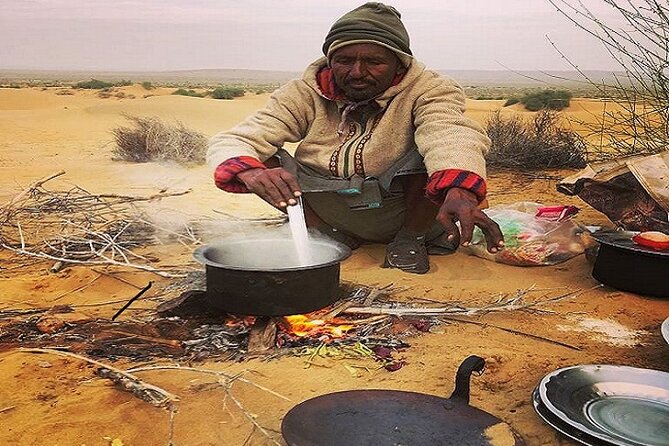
[{"x": 394, "y": 418}]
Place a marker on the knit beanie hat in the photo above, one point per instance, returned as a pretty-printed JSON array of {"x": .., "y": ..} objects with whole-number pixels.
[{"x": 372, "y": 22}]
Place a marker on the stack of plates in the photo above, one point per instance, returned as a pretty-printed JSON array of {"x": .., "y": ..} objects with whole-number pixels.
[{"x": 603, "y": 405}]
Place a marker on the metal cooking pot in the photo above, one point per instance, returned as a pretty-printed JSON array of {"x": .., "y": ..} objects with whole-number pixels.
[
  {"x": 394, "y": 417},
  {"x": 264, "y": 277},
  {"x": 624, "y": 265}
]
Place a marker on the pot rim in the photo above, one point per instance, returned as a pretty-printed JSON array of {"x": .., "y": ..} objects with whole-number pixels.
[
  {"x": 343, "y": 252},
  {"x": 622, "y": 241}
]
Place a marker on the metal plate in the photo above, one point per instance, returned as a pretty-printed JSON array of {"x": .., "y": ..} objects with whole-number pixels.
[
  {"x": 665, "y": 330},
  {"x": 560, "y": 426},
  {"x": 390, "y": 417},
  {"x": 624, "y": 406},
  {"x": 623, "y": 240}
]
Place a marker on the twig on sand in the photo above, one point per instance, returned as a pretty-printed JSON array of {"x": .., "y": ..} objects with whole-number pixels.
[
  {"x": 504, "y": 303},
  {"x": 7, "y": 409},
  {"x": 134, "y": 298},
  {"x": 208, "y": 372},
  {"x": 79, "y": 288},
  {"x": 226, "y": 381},
  {"x": 249, "y": 416},
  {"x": 148, "y": 392},
  {"x": 511, "y": 330},
  {"x": 115, "y": 277},
  {"x": 43, "y": 255}
]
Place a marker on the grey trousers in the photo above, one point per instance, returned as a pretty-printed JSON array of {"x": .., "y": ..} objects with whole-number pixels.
[{"x": 370, "y": 209}]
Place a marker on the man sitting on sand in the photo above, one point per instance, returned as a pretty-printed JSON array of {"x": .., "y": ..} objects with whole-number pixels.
[{"x": 385, "y": 152}]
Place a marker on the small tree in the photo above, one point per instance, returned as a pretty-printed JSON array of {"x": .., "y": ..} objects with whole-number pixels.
[
  {"x": 511, "y": 101},
  {"x": 546, "y": 99},
  {"x": 187, "y": 92},
  {"x": 640, "y": 46},
  {"x": 93, "y": 84},
  {"x": 227, "y": 92}
]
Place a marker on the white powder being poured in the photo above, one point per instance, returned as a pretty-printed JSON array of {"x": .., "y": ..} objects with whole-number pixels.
[{"x": 298, "y": 229}]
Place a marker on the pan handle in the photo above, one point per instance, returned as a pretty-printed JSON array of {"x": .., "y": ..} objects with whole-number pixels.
[{"x": 473, "y": 364}]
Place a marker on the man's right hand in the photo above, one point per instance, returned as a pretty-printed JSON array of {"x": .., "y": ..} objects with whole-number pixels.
[{"x": 276, "y": 186}]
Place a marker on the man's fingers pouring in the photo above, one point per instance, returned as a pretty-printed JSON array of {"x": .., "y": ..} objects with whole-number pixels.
[{"x": 277, "y": 186}]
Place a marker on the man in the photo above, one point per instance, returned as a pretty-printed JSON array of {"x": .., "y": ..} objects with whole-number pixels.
[{"x": 385, "y": 152}]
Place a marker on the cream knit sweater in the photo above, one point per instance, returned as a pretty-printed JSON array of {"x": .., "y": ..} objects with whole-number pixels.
[{"x": 424, "y": 111}]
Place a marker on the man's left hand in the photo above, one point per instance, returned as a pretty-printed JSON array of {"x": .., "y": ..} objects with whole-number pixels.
[{"x": 462, "y": 205}]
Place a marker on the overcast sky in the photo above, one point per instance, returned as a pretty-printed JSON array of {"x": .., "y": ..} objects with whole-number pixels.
[{"x": 156, "y": 35}]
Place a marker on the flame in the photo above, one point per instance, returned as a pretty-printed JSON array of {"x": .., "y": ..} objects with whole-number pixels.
[{"x": 301, "y": 326}]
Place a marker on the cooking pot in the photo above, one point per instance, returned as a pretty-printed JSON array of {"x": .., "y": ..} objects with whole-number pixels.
[
  {"x": 264, "y": 276},
  {"x": 393, "y": 417},
  {"x": 627, "y": 266}
]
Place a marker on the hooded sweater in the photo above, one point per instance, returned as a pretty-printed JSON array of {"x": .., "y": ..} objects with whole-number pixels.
[{"x": 422, "y": 111}]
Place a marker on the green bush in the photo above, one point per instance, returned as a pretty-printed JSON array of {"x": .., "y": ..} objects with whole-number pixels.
[
  {"x": 546, "y": 99},
  {"x": 123, "y": 83},
  {"x": 227, "y": 92},
  {"x": 147, "y": 85},
  {"x": 184, "y": 92},
  {"x": 511, "y": 101},
  {"x": 93, "y": 84}
]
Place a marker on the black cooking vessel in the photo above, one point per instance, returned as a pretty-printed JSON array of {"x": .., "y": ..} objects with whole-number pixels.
[
  {"x": 624, "y": 265},
  {"x": 378, "y": 417},
  {"x": 264, "y": 277}
]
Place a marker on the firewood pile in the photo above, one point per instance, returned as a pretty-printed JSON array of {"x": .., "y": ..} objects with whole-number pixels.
[{"x": 75, "y": 226}]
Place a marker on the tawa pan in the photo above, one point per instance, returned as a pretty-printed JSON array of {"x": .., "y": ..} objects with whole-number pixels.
[
  {"x": 623, "y": 406},
  {"x": 392, "y": 418},
  {"x": 665, "y": 330},
  {"x": 560, "y": 426}
]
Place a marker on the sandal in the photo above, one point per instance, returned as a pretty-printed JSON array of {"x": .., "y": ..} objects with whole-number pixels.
[{"x": 408, "y": 253}]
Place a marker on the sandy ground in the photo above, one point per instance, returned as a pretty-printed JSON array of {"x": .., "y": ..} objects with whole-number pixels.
[{"x": 50, "y": 400}]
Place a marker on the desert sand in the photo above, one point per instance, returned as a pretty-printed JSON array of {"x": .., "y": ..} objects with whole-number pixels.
[{"x": 50, "y": 400}]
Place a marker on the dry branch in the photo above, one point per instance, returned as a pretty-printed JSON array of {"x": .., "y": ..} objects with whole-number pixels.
[
  {"x": 147, "y": 392},
  {"x": 503, "y": 303},
  {"x": 226, "y": 381},
  {"x": 76, "y": 227}
]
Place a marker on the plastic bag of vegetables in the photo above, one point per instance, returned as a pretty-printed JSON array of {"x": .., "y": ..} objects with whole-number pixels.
[{"x": 534, "y": 235}]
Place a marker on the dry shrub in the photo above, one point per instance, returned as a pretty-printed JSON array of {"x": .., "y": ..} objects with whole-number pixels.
[
  {"x": 539, "y": 143},
  {"x": 150, "y": 139}
]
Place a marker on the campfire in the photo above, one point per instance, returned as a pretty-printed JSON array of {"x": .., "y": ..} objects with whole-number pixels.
[
  {"x": 184, "y": 331},
  {"x": 302, "y": 326}
]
